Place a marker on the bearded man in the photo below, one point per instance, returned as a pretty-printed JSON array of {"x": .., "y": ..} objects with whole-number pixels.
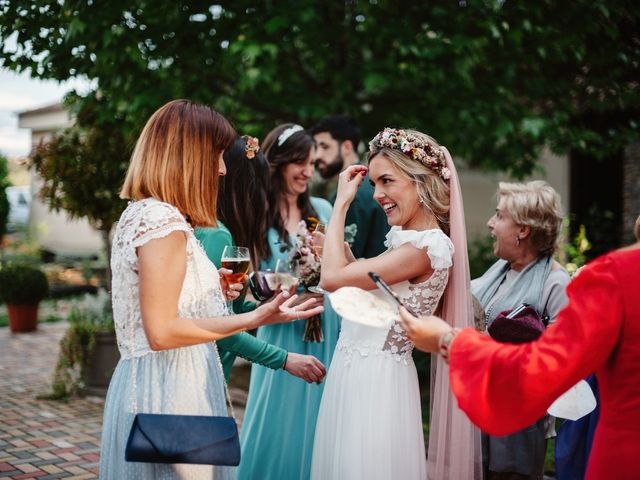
[{"x": 337, "y": 139}]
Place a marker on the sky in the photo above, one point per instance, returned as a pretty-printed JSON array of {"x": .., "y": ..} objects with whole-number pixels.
[{"x": 18, "y": 92}]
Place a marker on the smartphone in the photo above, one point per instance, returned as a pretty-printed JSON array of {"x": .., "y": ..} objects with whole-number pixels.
[
  {"x": 516, "y": 311},
  {"x": 393, "y": 296}
]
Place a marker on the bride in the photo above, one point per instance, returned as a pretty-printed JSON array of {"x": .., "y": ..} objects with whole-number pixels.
[{"x": 370, "y": 422}]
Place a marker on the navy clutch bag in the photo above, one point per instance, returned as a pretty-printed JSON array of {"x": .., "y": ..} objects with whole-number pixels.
[{"x": 161, "y": 438}]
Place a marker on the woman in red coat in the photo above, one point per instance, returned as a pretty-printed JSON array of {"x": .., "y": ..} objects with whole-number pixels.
[{"x": 504, "y": 387}]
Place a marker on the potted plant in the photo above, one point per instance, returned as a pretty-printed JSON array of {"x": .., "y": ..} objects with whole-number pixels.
[
  {"x": 88, "y": 350},
  {"x": 22, "y": 287}
]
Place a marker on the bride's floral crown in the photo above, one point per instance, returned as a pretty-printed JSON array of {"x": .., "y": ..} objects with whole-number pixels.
[
  {"x": 252, "y": 146},
  {"x": 414, "y": 148}
]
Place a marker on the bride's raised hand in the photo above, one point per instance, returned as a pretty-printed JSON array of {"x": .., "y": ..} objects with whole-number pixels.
[{"x": 348, "y": 183}]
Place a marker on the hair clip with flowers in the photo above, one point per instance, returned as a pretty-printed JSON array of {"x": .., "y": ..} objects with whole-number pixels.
[
  {"x": 252, "y": 146},
  {"x": 414, "y": 148}
]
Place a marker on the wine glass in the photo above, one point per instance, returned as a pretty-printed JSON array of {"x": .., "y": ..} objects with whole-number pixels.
[
  {"x": 285, "y": 277},
  {"x": 238, "y": 260},
  {"x": 318, "y": 245},
  {"x": 318, "y": 240}
]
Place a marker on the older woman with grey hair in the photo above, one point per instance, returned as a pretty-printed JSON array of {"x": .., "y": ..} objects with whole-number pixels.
[{"x": 526, "y": 227}]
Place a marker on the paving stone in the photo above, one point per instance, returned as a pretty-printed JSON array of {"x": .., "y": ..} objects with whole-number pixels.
[
  {"x": 49, "y": 439},
  {"x": 5, "y": 467},
  {"x": 56, "y": 476},
  {"x": 46, "y": 455},
  {"x": 35, "y": 474},
  {"x": 37, "y": 436},
  {"x": 51, "y": 469},
  {"x": 48, "y": 461},
  {"x": 26, "y": 455},
  {"x": 10, "y": 474},
  {"x": 62, "y": 444},
  {"x": 26, "y": 467}
]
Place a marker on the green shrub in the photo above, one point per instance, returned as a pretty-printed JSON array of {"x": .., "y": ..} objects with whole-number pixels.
[
  {"x": 4, "y": 201},
  {"x": 23, "y": 285},
  {"x": 481, "y": 255}
]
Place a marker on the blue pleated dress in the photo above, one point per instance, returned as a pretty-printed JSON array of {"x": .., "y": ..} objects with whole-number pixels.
[{"x": 280, "y": 419}]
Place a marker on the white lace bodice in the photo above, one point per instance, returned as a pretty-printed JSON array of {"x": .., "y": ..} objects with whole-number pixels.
[
  {"x": 201, "y": 295},
  {"x": 422, "y": 298}
]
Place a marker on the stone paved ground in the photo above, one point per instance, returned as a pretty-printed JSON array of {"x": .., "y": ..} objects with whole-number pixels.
[
  {"x": 38, "y": 438},
  {"x": 47, "y": 439}
]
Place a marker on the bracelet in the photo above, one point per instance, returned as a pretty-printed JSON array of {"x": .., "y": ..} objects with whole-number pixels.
[
  {"x": 284, "y": 365},
  {"x": 444, "y": 344}
]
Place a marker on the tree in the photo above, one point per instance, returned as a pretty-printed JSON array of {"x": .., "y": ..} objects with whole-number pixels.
[
  {"x": 83, "y": 169},
  {"x": 493, "y": 80}
]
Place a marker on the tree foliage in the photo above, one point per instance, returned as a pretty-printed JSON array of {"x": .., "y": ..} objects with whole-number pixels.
[{"x": 493, "y": 80}]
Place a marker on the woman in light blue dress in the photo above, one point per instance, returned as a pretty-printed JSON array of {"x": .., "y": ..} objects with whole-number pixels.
[
  {"x": 168, "y": 301},
  {"x": 280, "y": 419}
]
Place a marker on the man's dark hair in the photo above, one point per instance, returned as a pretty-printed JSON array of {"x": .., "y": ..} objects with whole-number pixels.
[{"x": 340, "y": 127}]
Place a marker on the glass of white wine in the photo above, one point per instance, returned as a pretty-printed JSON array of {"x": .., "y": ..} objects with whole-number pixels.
[
  {"x": 238, "y": 261},
  {"x": 318, "y": 240},
  {"x": 285, "y": 277},
  {"x": 318, "y": 245}
]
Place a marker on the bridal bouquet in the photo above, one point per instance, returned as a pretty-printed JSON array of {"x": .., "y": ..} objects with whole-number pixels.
[{"x": 306, "y": 267}]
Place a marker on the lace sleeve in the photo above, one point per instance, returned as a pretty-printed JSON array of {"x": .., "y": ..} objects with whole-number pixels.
[
  {"x": 157, "y": 220},
  {"x": 439, "y": 246}
]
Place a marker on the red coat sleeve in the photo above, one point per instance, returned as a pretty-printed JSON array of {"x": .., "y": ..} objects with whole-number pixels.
[{"x": 504, "y": 387}]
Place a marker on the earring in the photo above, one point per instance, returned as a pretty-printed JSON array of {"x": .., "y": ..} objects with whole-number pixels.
[{"x": 518, "y": 240}]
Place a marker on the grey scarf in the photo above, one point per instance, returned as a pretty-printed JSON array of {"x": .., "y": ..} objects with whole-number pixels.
[{"x": 527, "y": 287}]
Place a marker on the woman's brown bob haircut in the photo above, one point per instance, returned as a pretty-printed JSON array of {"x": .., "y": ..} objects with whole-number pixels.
[{"x": 176, "y": 160}]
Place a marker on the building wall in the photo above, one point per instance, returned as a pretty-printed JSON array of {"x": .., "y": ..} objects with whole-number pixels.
[
  {"x": 56, "y": 231},
  {"x": 479, "y": 190}
]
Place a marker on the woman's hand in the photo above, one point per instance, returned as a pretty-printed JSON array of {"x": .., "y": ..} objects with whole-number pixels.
[
  {"x": 282, "y": 308},
  {"x": 230, "y": 291},
  {"x": 424, "y": 332},
  {"x": 306, "y": 367},
  {"x": 348, "y": 182}
]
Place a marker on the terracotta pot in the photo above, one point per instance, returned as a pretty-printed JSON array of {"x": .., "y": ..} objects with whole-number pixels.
[{"x": 22, "y": 318}]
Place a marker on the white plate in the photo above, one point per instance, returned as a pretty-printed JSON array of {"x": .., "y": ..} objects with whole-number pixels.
[
  {"x": 575, "y": 403},
  {"x": 363, "y": 307}
]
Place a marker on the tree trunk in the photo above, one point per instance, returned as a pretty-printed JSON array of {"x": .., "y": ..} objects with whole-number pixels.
[{"x": 631, "y": 190}]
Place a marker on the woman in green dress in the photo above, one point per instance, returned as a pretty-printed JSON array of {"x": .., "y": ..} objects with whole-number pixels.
[{"x": 243, "y": 190}]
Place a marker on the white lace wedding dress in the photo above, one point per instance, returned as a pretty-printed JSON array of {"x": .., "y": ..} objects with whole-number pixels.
[
  {"x": 184, "y": 380},
  {"x": 370, "y": 422}
]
